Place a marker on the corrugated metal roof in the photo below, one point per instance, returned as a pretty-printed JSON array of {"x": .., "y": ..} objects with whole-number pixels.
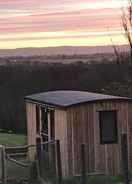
[{"x": 68, "y": 98}]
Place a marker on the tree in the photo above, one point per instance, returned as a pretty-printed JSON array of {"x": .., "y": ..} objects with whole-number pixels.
[
  {"x": 116, "y": 52},
  {"x": 127, "y": 25}
]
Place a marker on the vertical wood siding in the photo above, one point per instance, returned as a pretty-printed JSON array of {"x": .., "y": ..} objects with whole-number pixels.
[
  {"x": 61, "y": 134},
  {"x": 31, "y": 128},
  {"x": 80, "y": 124},
  {"x": 83, "y": 127},
  {"x": 108, "y": 156},
  {"x": 130, "y": 134},
  {"x": 80, "y": 130}
]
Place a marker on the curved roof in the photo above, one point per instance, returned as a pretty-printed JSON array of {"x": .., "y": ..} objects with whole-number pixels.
[{"x": 66, "y": 98}]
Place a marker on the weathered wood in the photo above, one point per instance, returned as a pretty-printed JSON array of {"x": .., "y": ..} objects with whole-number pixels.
[
  {"x": 39, "y": 155},
  {"x": 3, "y": 163},
  {"x": 130, "y": 135},
  {"x": 108, "y": 157},
  {"x": 80, "y": 124},
  {"x": 80, "y": 130},
  {"x": 16, "y": 161},
  {"x": 61, "y": 133},
  {"x": 31, "y": 129},
  {"x": 16, "y": 149},
  {"x": 58, "y": 161},
  {"x": 83, "y": 164},
  {"x": 83, "y": 127},
  {"x": 124, "y": 154}
]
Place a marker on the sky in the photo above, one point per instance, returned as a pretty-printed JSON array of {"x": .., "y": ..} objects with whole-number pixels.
[{"x": 49, "y": 23}]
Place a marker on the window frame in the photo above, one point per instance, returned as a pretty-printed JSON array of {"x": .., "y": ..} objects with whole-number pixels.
[{"x": 114, "y": 139}]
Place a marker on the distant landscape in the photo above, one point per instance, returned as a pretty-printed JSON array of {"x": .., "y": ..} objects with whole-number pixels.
[
  {"x": 65, "y": 55},
  {"x": 64, "y": 59},
  {"x": 21, "y": 76},
  {"x": 63, "y": 50}
]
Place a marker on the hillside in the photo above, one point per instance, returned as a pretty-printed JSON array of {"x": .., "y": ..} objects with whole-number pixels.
[{"x": 63, "y": 50}]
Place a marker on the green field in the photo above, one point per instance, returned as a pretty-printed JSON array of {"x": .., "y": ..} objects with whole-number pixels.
[{"x": 12, "y": 139}]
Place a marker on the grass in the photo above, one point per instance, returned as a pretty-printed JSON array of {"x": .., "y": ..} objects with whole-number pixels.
[
  {"x": 16, "y": 171},
  {"x": 13, "y": 170},
  {"x": 102, "y": 179},
  {"x": 12, "y": 139}
]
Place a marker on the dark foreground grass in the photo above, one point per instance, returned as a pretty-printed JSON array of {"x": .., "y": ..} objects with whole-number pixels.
[
  {"x": 15, "y": 171},
  {"x": 103, "y": 179},
  {"x": 18, "y": 172}
]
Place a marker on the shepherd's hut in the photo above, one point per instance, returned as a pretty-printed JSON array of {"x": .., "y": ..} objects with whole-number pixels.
[{"x": 76, "y": 117}]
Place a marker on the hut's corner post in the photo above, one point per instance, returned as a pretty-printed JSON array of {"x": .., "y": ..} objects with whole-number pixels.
[
  {"x": 39, "y": 155},
  {"x": 83, "y": 166},
  {"x": 58, "y": 161},
  {"x": 31, "y": 129},
  {"x": 3, "y": 164},
  {"x": 124, "y": 157}
]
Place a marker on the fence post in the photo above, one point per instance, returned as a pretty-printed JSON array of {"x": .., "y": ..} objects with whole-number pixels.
[
  {"x": 124, "y": 156},
  {"x": 83, "y": 160},
  {"x": 3, "y": 162},
  {"x": 39, "y": 155},
  {"x": 58, "y": 161}
]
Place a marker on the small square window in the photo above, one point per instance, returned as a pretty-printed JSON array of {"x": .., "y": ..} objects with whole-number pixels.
[{"x": 108, "y": 127}]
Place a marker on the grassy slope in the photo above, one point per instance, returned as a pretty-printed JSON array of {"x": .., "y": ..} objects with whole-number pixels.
[{"x": 12, "y": 139}]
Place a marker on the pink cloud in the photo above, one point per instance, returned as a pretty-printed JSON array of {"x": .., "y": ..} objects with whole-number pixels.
[{"x": 28, "y": 16}]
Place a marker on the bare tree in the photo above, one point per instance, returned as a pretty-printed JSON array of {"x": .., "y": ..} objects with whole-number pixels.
[
  {"x": 127, "y": 25},
  {"x": 116, "y": 52}
]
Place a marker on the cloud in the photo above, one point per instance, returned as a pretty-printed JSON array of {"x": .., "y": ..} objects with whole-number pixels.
[
  {"x": 72, "y": 20},
  {"x": 33, "y": 16}
]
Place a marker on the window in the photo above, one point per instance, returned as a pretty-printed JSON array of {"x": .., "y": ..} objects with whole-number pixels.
[{"x": 108, "y": 127}]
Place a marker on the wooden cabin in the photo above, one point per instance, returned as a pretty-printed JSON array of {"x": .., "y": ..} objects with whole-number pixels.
[{"x": 76, "y": 117}]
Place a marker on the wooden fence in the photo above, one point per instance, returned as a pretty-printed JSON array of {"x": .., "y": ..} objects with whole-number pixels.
[{"x": 15, "y": 154}]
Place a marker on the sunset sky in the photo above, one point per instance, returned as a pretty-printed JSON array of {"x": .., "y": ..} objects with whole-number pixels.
[{"x": 45, "y": 23}]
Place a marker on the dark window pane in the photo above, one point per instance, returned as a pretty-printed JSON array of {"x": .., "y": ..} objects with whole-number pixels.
[{"x": 108, "y": 126}]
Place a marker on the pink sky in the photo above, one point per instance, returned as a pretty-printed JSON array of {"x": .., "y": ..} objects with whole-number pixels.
[{"x": 42, "y": 23}]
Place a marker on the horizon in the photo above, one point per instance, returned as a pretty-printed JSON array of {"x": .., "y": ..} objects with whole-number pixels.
[
  {"x": 29, "y": 24},
  {"x": 62, "y": 50},
  {"x": 66, "y": 46}
]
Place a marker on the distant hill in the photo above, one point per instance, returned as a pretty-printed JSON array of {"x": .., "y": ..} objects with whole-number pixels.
[{"x": 63, "y": 50}]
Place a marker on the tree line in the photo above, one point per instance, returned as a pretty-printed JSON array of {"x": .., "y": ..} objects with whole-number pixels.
[{"x": 17, "y": 81}]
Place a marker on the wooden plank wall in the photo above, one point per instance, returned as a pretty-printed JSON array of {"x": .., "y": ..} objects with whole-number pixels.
[
  {"x": 83, "y": 127},
  {"x": 108, "y": 156},
  {"x": 31, "y": 128},
  {"x": 130, "y": 134},
  {"x": 80, "y": 124},
  {"x": 80, "y": 130},
  {"x": 61, "y": 134}
]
